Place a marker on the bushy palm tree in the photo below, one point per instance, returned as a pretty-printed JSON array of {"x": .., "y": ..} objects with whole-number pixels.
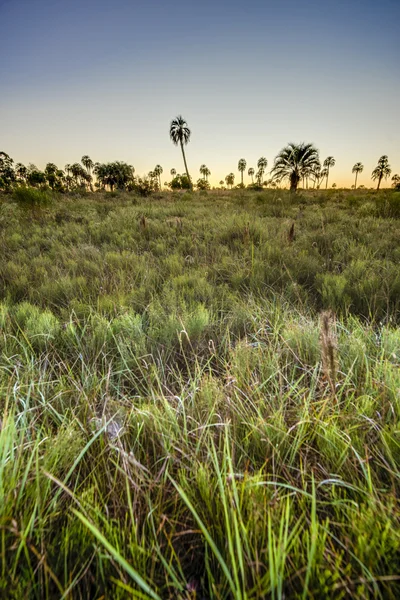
[
  {"x": 179, "y": 133},
  {"x": 328, "y": 163},
  {"x": 358, "y": 168},
  {"x": 87, "y": 163},
  {"x": 250, "y": 173},
  {"x": 382, "y": 170},
  {"x": 230, "y": 179},
  {"x": 241, "y": 168},
  {"x": 158, "y": 170},
  {"x": 396, "y": 180},
  {"x": 262, "y": 164},
  {"x": 292, "y": 161},
  {"x": 116, "y": 174}
]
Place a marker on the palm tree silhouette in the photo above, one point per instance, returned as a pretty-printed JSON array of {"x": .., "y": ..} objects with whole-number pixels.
[
  {"x": 203, "y": 171},
  {"x": 358, "y": 168},
  {"x": 207, "y": 173},
  {"x": 173, "y": 173},
  {"x": 292, "y": 161},
  {"x": 382, "y": 170},
  {"x": 241, "y": 167},
  {"x": 328, "y": 163},
  {"x": 262, "y": 164},
  {"x": 250, "y": 173},
  {"x": 179, "y": 133},
  {"x": 230, "y": 179},
  {"x": 396, "y": 180},
  {"x": 87, "y": 163},
  {"x": 158, "y": 171}
]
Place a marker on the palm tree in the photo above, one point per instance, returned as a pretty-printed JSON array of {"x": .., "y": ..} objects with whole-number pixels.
[
  {"x": 87, "y": 163},
  {"x": 207, "y": 173},
  {"x": 262, "y": 164},
  {"x": 173, "y": 173},
  {"x": 382, "y": 170},
  {"x": 241, "y": 168},
  {"x": 292, "y": 161},
  {"x": 158, "y": 171},
  {"x": 328, "y": 163},
  {"x": 250, "y": 173},
  {"x": 230, "y": 179},
  {"x": 179, "y": 133},
  {"x": 396, "y": 180},
  {"x": 358, "y": 168},
  {"x": 203, "y": 171}
]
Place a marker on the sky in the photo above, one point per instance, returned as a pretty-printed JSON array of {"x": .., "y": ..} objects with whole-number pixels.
[{"x": 106, "y": 78}]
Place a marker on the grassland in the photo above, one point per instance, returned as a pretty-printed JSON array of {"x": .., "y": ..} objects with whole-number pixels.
[{"x": 200, "y": 395}]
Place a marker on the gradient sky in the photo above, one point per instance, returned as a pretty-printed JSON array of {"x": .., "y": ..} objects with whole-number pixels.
[{"x": 105, "y": 78}]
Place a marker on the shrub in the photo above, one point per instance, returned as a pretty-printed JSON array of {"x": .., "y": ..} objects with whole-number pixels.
[{"x": 31, "y": 197}]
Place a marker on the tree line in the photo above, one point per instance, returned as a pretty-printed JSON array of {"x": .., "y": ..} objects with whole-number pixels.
[{"x": 295, "y": 163}]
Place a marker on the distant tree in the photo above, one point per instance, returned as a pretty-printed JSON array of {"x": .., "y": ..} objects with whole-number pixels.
[
  {"x": 21, "y": 172},
  {"x": 180, "y": 134},
  {"x": 291, "y": 162},
  {"x": 116, "y": 174},
  {"x": 262, "y": 164},
  {"x": 181, "y": 182},
  {"x": 173, "y": 172},
  {"x": 328, "y": 163},
  {"x": 333, "y": 186},
  {"x": 203, "y": 171},
  {"x": 36, "y": 178},
  {"x": 158, "y": 170},
  {"x": 241, "y": 168},
  {"x": 358, "y": 168},
  {"x": 221, "y": 183},
  {"x": 207, "y": 173},
  {"x": 396, "y": 180},
  {"x": 230, "y": 179},
  {"x": 87, "y": 163},
  {"x": 202, "y": 184},
  {"x": 7, "y": 173},
  {"x": 382, "y": 170},
  {"x": 250, "y": 173}
]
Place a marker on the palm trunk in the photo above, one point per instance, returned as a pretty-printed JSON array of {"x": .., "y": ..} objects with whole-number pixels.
[
  {"x": 242, "y": 177},
  {"x": 379, "y": 182},
  {"x": 186, "y": 168},
  {"x": 355, "y": 183},
  {"x": 252, "y": 180},
  {"x": 327, "y": 177}
]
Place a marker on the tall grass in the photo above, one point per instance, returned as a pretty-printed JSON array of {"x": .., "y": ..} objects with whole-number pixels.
[{"x": 177, "y": 420}]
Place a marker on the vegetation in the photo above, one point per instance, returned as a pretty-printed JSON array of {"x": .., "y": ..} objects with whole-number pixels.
[
  {"x": 179, "y": 133},
  {"x": 295, "y": 162},
  {"x": 199, "y": 393},
  {"x": 381, "y": 171}
]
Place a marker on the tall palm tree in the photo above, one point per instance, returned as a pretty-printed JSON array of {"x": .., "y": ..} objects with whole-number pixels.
[
  {"x": 158, "y": 171},
  {"x": 328, "y": 163},
  {"x": 179, "y": 133},
  {"x": 203, "y": 171},
  {"x": 382, "y": 170},
  {"x": 241, "y": 168},
  {"x": 207, "y": 173},
  {"x": 173, "y": 173},
  {"x": 358, "y": 168},
  {"x": 250, "y": 173},
  {"x": 292, "y": 161}
]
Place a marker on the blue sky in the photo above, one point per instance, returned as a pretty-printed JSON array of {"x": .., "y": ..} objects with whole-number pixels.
[{"x": 105, "y": 79}]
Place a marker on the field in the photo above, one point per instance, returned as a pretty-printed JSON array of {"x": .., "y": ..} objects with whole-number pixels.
[{"x": 200, "y": 395}]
